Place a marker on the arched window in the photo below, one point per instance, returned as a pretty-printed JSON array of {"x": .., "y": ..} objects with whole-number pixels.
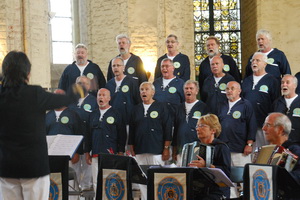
[{"x": 220, "y": 18}]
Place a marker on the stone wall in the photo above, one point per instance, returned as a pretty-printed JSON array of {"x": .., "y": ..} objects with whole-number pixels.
[
  {"x": 147, "y": 23},
  {"x": 278, "y": 16},
  {"x": 24, "y": 25}
]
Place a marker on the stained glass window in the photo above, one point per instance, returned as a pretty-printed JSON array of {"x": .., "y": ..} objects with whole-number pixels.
[{"x": 220, "y": 18}]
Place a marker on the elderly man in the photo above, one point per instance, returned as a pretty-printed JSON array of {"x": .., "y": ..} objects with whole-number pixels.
[
  {"x": 133, "y": 63},
  {"x": 261, "y": 89},
  {"x": 106, "y": 132},
  {"x": 212, "y": 49},
  {"x": 150, "y": 131},
  {"x": 124, "y": 90},
  {"x": 289, "y": 104},
  {"x": 238, "y": 126},
  {"x": 277, "y": 128},
  {"x": 181, "y": 61},
  {"x": 169, "y": 88},
  {"x": 278, "y": 64},
  {"x": 82, "y": 66},
  {"x": 186, "y": 119},
  {"x": 213, "y": 91},
  {"x": 84, "y": 107}
]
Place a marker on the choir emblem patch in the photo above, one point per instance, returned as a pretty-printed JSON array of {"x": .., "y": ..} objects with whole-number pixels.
[
  {"x": 54, "y": 191},
  {"x": 197, "y": 114},
  {"x": 154, "y": 114},
  {"x": 222, "y": 86},
  {"x": 125, "y": 88},
  {"x": 296, "y": 112},
  {"x": 64, "y": 120},
  {"x": 170, "y": 188},
  {"x": 114, "y": 187},
  {"x": 261, "y": 185},
  {"x": 110, "y": 120},
  {"x": 264, "y": 88},
  {"x": 172, "y": 90},
  {"x": 226, "y": 68},
  {"x": 176, "y": 65},
  {"x": 87, "y": 107},
  {"x": 270, "y": 60},
  {"x": 236, "y": 114},
  {"x": 130, "y": 70},
  {"x": 90, "y": 76}
]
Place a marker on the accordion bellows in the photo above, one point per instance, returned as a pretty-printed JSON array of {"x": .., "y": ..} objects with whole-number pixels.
[
  {"x": 275, "y": 155},
  {"x": 190, "y": 150}
]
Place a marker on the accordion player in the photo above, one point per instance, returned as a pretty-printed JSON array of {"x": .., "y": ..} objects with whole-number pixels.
[{"x": 191, "y": 150}]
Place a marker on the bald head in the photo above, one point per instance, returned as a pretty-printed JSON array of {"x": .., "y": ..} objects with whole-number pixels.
[
  {"x": 233, "y": 91},
  {"x": 103, "y": 98}
]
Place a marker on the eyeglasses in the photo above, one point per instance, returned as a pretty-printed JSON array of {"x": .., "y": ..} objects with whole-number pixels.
[
  {"x": 269, "y": 125},
  {"x": 202, "y": 125},
  {"x": 117, "y": 65}
]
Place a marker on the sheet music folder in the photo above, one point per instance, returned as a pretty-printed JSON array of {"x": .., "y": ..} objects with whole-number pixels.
[
  {"x": 111, "y": 161},
  {"x": 63, "y": 145}
]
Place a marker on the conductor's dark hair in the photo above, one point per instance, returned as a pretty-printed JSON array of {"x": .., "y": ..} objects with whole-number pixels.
[{"x": 15, "y": 68}]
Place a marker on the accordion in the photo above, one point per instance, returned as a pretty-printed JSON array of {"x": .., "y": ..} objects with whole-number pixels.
[
  {"x": 275, "y": 155},
  {"x": 191, "y": 150}
]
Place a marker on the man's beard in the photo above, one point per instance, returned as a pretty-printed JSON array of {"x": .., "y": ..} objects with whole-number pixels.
[
  {"x": 212, "y": 54},
  {"x": 80, "y": 61}
]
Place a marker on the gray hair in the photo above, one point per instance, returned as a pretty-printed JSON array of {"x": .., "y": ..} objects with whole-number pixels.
[
  {"x": 148, "y": 83},
  {"x": 167, "y": 59},
  {"x": 120, "y": 36},
  {"x": 118, "y": 57},
  {"x": 265, "y": 33},
  {"x": 264, "y": 56},
  {"x": 284, "y": 121},
  {"x": 295, "y": 80},
  {"x": 196, "y": 83},
  {"x": 174, "y": 36},
  {"x": 78, "y": 46}
]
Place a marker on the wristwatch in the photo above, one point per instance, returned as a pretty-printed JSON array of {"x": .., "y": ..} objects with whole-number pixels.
[
  {"x": 166, "y": 147},
  {"x": 250, "y": 144}
]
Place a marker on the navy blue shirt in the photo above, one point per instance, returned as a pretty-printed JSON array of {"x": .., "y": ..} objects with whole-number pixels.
[
  {"x": 213, "y": 94},
  {"x": 68, "y": 123},
  {"x": 92, "y": 71},
  {"x": 293, "y": 113},
  {"x": 172, "y": 94},
  {"x": 149, "y": 132},
  {"x": 107, "y": 133},
  {"x": 126, "y": 96},
  {"x": 185, "y": 124},
  {"x": 230, "y": 67},
  {"x": 134, "y": 67},
  {"x": 84, "y": 110},
  {"x": 265, "y": 92},
  {"x": 279, "y": 65},
  {"x": 181, "y": 64},
  {"x": 238, "y": 126},
  {"x": 295, "y": 149}
]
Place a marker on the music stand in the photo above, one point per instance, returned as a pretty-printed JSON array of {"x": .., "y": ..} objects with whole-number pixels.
[
  {"x": 61, "y": 164},
  {"x": 270, "y": 181},
  {"x": 117, "y": 173},
  {"x": 178, "y": 182}
]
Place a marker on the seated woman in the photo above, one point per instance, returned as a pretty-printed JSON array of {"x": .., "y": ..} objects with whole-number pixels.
[{"x": 208, "y": 129}]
